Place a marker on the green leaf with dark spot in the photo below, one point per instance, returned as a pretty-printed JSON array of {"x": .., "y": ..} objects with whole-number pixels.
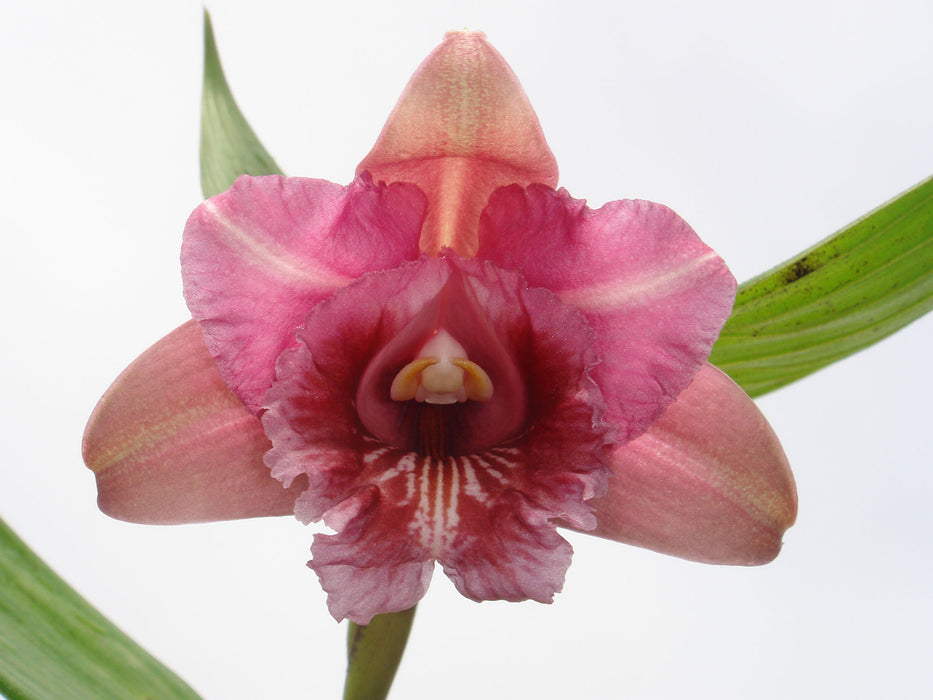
[
  {"x": 55, "y": 646},
  {"x": 229, "y": 147},
  {"x": 374, "y": 652},
  {"x": 850, "y": 290}
]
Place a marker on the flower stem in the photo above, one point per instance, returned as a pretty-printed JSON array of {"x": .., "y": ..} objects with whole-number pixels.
[{"x": 374, "y": 652}]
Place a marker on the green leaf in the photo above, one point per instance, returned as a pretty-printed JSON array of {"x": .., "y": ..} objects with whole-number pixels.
[
  {"x": 55, "y": 646},
  {"x": 374, "y": 652},
  {"x": 850, "y": 290},
  {"x": 229, "y": 148}
]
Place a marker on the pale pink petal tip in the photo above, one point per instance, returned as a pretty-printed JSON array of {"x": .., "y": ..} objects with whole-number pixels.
[
  {"x": 462, "y": 127},
  {"x": 708, "y": 481},
  {"x": 169, "y": 443}
]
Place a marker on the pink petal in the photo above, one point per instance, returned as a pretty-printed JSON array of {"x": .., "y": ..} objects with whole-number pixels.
[
  {"x": 462, "y": 127},
  {"x": 258, "y": 257},
  {"x": 383, "y": 554},
  {"x": 468, "y": 512},
  {"x": 708, "y": 481},
  {"x": 653, "y": 292},
  {"x": 483, "y": 509},
  {"x": 170, "y": 444},
  {"x": 510, "y": 551},
  {"x": 367, "y": 568}
]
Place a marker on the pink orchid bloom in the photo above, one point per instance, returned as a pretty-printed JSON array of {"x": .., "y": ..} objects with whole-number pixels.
[{"x": 443, "y": 361}]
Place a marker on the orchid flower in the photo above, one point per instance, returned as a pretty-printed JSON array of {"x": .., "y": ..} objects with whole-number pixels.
[{"x": 443, "y": 361}]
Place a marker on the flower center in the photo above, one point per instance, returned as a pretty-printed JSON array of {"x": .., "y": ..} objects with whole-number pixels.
[
  {"x": 442, "y": 374},
  {"x": 441, "y": 347},
  {"x": 439, "y": 378}
]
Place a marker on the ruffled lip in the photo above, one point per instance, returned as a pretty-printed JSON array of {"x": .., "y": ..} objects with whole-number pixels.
[{"x": 484, "y": 509}]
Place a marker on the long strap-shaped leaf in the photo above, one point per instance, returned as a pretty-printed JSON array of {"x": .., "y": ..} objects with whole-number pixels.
[
  {"x": 845, "y": 293},
  {"x": 55, "y": 646},
  {"x": 229, "y": 147}
]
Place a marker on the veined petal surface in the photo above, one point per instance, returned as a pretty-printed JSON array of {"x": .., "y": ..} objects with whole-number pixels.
[
  {"x": 169, "y": 443},
  {"x": 708, "y": 481},
  {"x": 258, "y": 257},
  {"x": 462, "y": 127},
  {"x": 654, "y": 293}
]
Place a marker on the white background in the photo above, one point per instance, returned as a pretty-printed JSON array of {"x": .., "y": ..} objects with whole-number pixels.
[{"x": 766, "y": 125}]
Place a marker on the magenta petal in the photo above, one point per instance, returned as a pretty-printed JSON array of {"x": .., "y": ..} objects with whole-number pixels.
[
  {"x": 467, "y": 512},
  {"x": 656, "y": 296},
  {"x": 258, "y": 257},
  {"x": 352, "y": 565},
  {"x": 708, "y": 481},
  {"x": 170, "y": 444},
  {"x": 525, "y": 559}
]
